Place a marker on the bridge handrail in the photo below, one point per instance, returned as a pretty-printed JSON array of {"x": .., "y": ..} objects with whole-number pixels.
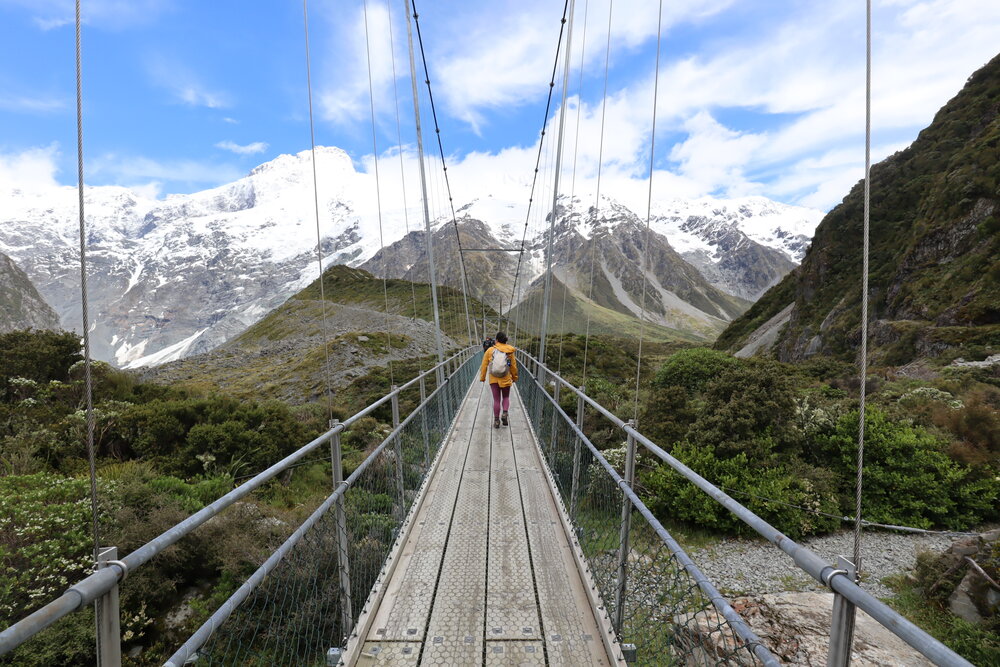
[
  {"x": 202, "y": 634},
  {"x": 101, "y": 581},
  {"x": 807, "y": 560},
  {"x": 720, "y": 603}
]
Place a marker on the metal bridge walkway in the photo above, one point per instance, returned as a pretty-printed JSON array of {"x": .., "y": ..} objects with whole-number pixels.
[{"x": 486, "y": 573}]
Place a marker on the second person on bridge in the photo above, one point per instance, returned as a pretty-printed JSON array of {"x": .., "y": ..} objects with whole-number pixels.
[{"x": 501, "y": 367}]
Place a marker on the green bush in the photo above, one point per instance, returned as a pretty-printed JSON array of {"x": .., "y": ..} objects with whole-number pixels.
[
  {"x": 749, "y": 408},
  {"x": 37, "y": 355},
  {"x": 693, "y": 368},
  {"x": 908, "y": 477},
  {"x": 773, "y": 493}
]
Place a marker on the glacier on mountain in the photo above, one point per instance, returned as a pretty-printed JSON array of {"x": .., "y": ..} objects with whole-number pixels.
[{"x": 177, "y": 276}]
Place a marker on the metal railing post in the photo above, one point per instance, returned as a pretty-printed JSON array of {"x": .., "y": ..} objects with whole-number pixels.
[
  {"x": 343, "y": 560},
  {"x": 109, "y": 642},
  {"x": 552, "y": 431},
  {"x": 842, "y": 622},
  {"x": 398, "y": 450},
  {"x": 626, "y": 527},
  {"x": 577, "y": 446},
  {"x": 540, "y": 379},
  {"x": 423, "y": 423}
]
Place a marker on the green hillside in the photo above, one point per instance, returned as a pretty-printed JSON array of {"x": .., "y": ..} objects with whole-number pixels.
[
  {"x": 284, "y": 355},
  {"x": 935, "y": 247},
  {"x": 573, "y": 318}
]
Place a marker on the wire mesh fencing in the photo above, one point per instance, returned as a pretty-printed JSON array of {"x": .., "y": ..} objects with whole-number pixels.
[
  {"x": 657, "y": 598},
  {"x": 321, "y": 578}
]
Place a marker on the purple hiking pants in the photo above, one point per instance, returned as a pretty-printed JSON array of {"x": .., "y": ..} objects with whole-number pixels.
[{"x": 499, "y": 392}]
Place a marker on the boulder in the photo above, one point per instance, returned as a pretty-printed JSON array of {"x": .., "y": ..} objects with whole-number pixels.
[{"x": 795, "y": 627}]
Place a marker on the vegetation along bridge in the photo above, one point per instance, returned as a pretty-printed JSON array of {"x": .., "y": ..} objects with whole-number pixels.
[{"x": 455, "y": 543}]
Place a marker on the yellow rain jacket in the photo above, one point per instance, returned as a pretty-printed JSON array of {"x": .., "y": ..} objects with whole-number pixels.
[{"x": 499, "y": 348}]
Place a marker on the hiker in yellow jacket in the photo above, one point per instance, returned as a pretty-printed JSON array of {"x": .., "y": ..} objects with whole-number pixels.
[{"x": 502, "y": 374}]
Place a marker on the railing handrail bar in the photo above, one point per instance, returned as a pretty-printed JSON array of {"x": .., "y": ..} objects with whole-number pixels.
[
  {"x": 720, "y": 603},
  {"x": 100, "y": 582},
  {"x": 222, "y": 614},
  {"x": 804, "y": 558}
]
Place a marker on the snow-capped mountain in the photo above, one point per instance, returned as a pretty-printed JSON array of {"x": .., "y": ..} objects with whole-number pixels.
[{"x": 172, "y": 277}]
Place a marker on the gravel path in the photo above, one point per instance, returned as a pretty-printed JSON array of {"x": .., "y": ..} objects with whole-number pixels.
[{"x": 740, "y": 566}]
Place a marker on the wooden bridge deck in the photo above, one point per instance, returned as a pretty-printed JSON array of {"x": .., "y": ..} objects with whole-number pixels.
[{"x": 485, "y": 574}]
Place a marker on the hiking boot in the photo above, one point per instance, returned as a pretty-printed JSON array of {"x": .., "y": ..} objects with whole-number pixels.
[
  {"x": 503, "y": 418},
  {"x": 496, "y": 423}
]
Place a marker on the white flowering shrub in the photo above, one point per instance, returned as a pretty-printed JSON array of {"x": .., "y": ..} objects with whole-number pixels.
[
  {"x": 44, "y": 539},
  {"x": 929, "y": 394}
]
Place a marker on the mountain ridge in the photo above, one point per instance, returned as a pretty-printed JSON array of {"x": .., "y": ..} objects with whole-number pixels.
[
  {"x": 935, "y": 243},
  {"x": 239, "y": 249}
]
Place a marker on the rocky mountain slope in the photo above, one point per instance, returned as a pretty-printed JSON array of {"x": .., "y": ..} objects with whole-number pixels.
[
  {"x": 174, "y": 277},
  {"x": 284, "y": 355},
  {"x": 695, "y": 303},
  {"x": 21, "y": 306},
  {"x": 935, "y": 250}
]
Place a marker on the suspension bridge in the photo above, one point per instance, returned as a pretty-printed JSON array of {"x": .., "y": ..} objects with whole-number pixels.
[{"x": 455, "y": 543}]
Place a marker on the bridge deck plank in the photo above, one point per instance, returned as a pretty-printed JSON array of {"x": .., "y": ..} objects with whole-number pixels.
[
  {"x": 486, "y": 575},
  {"x": 511, "y": 607},
  {"x": 403, "y": 616},
  {"x": 572, "y": 636}
]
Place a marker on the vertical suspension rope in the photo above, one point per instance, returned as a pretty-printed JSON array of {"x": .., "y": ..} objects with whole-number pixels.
[
  {"x": 399, "y": 141},
  {"x": 88, "y": 379},
  {"x": 649, "y": 208},
  {"x": 576, "y": 155},
  {"x": 429, "y": 239},
  {"x": 550, "y": 242},
  {"x": 444, "y": 168},
  {"x": 319, "y": 239},
  {"x": 514, "y": 290},
  {"x": 864, "y": 291},
  {"x": 378, "y": 189},
  {"x": 597, "y": 196}
]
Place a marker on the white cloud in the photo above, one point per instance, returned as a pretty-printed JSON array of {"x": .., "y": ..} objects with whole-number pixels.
[
  {"x": 344, "y": 86},
  {"x": 506, "y": 58},
  {"x": 31, "y": 169},
  {"x": 111, "y": 14},
  {"x": 248, "y": 149},
  {"x": 231, "y": 121},
  {"x": 185, "y": 85},
  {"x": 30, "y": 104},
  {"x": 146, "y": 172}
]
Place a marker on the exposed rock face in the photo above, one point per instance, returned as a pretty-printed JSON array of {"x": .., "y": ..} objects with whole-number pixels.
[
  {"x": 175, "y": 277},
  {"x": 21, "y": 306},
  {"x": 670, "y": 291},
  {"x": 734, "y": 262},
  {"x": 796, "y": 628},
  {"x": 935, "y": 240}
]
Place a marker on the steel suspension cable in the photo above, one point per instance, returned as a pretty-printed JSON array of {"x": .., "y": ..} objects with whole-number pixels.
[
  {"x": 378, "y": 189},
  {"x": 649, "y": 209},
  {"x": 550, "y": 242},
  {"x": 319, "y": 238},
  {"x": 859, "y": 479},
  {"x": 538, "y": 158},
  {"x": 576, "y": 155},
  {"x": 429, "y": 239},
  {"x": 597, "y": 196},
  {"x": 444, "y": 167},
  {"x": 84, "y": 301},
  {"x": 399, "y": 142}
]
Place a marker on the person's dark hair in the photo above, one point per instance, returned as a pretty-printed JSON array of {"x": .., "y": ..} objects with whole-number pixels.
[{"x": 501, "y": 337}]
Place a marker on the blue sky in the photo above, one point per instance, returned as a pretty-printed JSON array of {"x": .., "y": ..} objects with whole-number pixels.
[{"x": 756, "y": 97}]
